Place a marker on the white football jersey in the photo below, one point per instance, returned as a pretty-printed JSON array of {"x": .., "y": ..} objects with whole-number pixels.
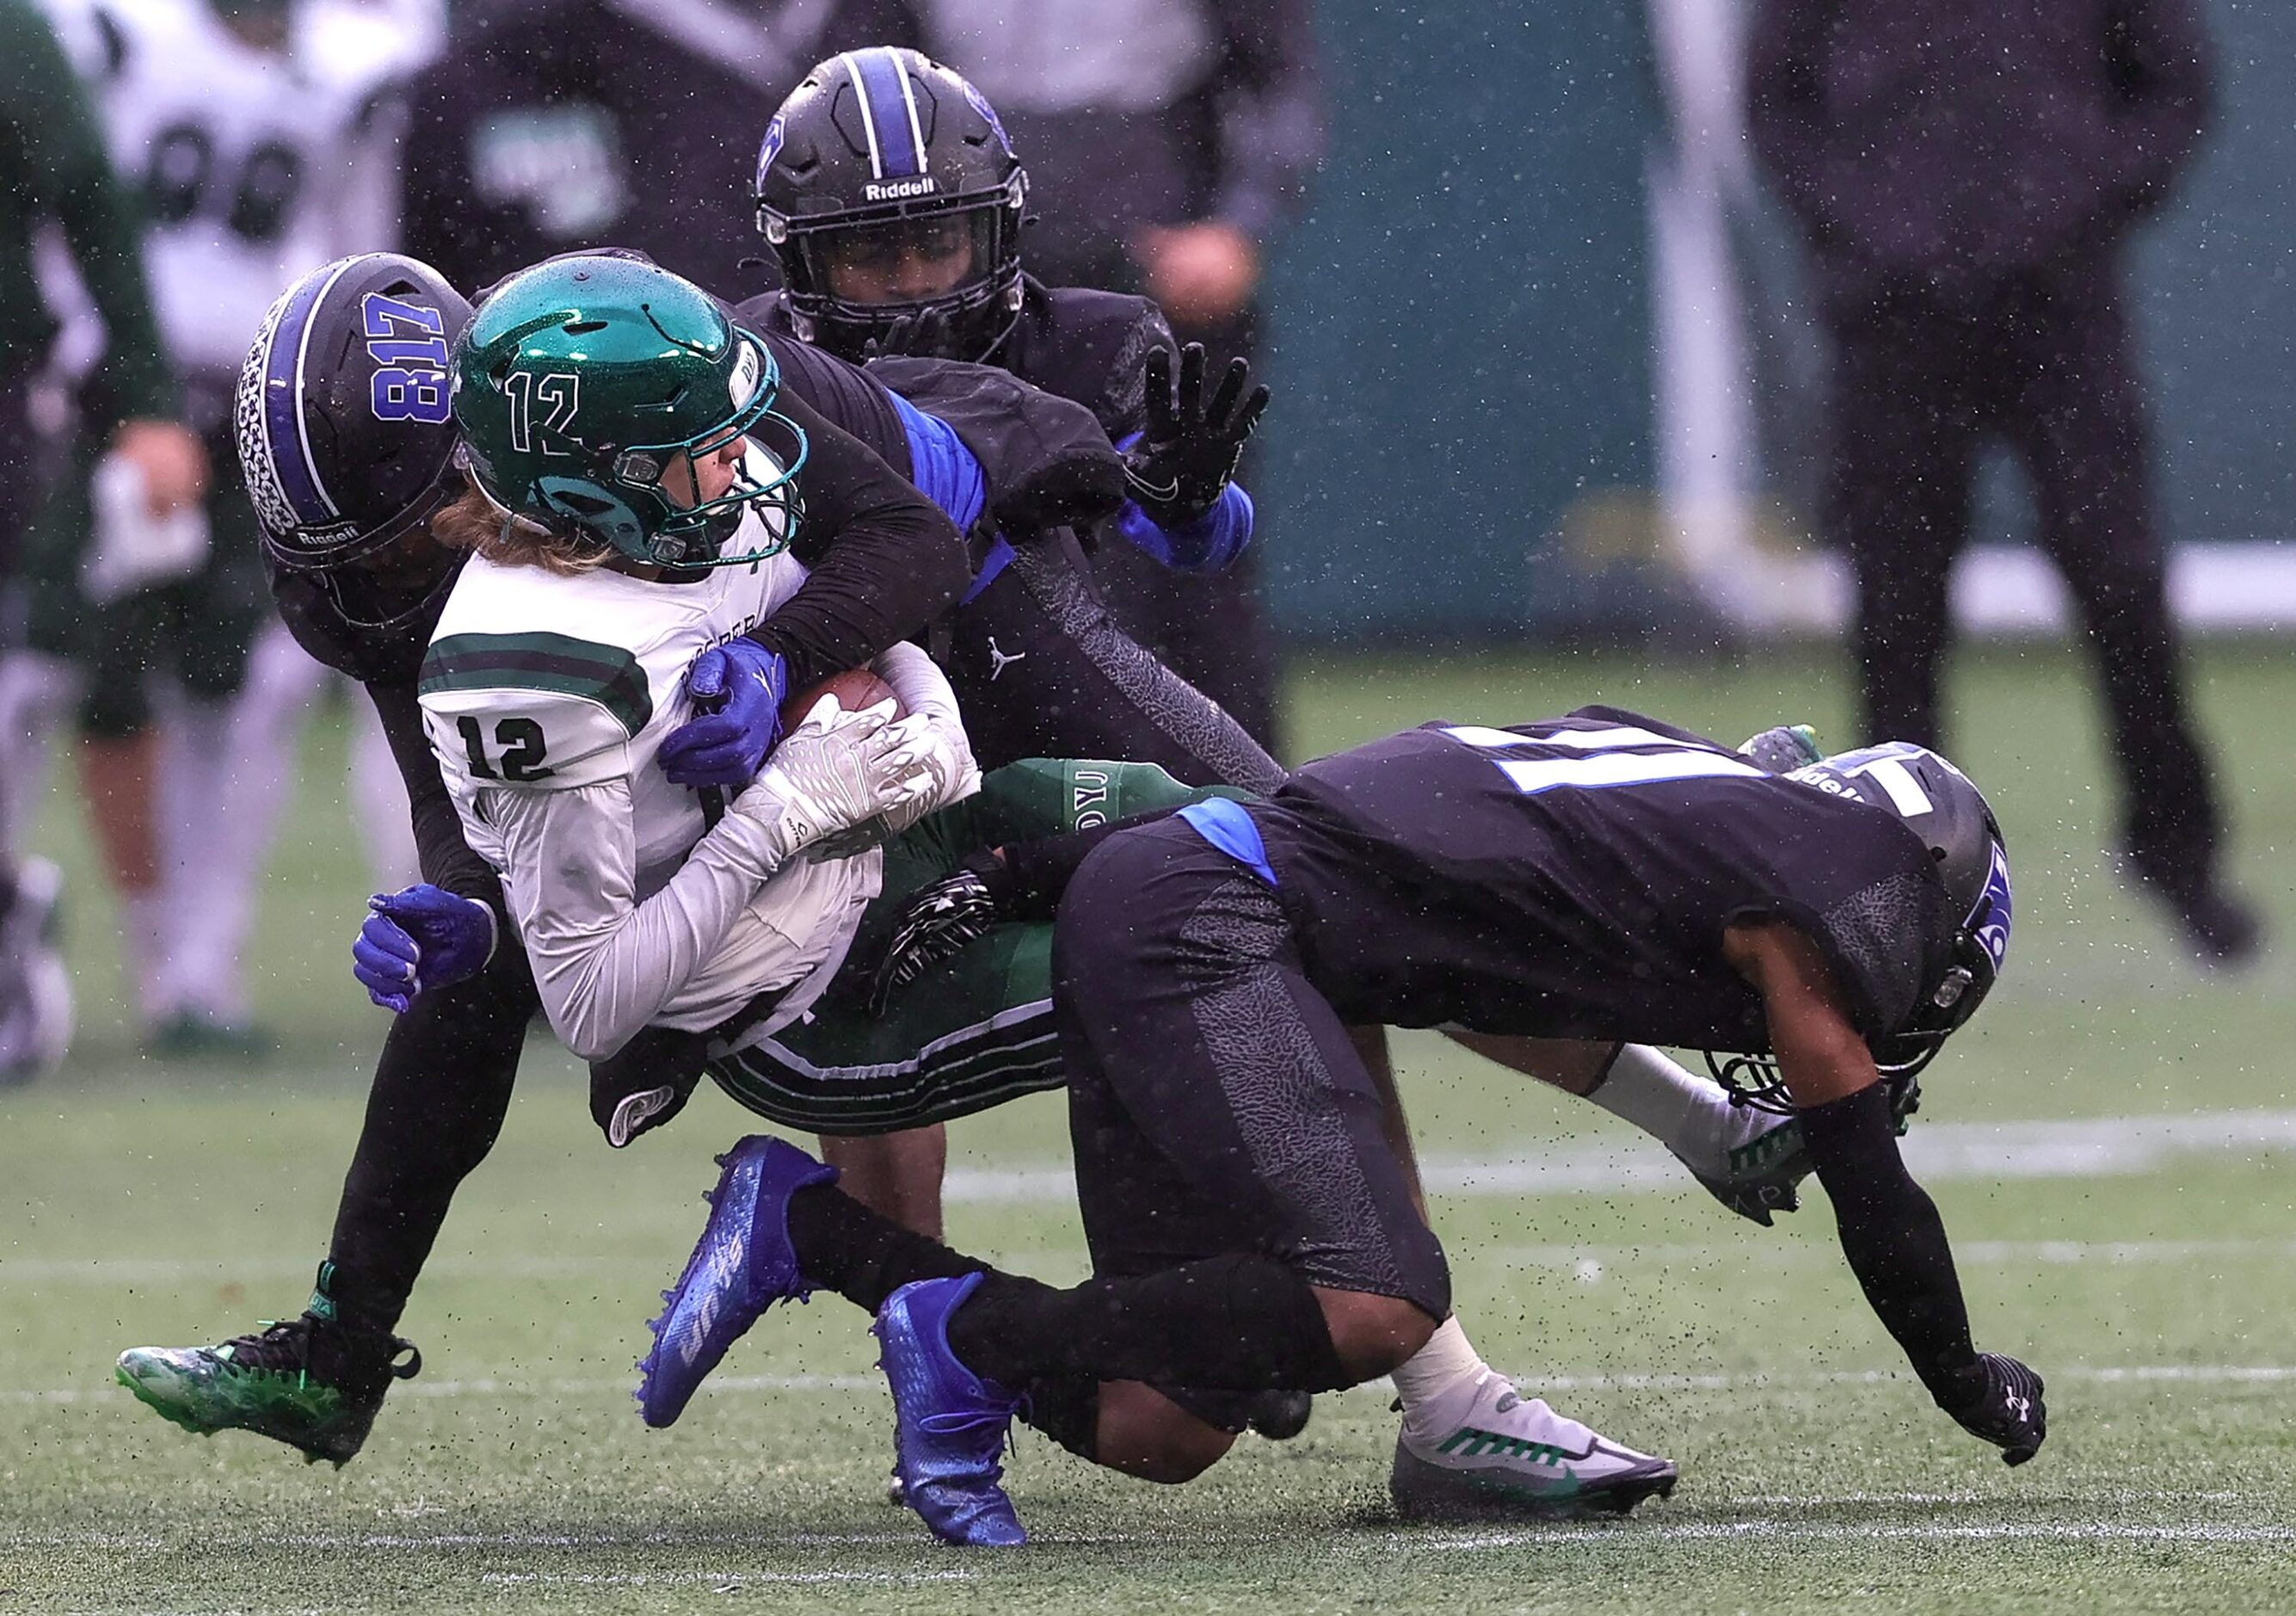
[
  {"x": 255, "y": 166},
  {"x": 540, "y": 682}
]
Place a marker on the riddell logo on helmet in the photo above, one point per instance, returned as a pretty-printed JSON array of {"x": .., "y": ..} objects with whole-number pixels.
[{"x": 894, "y": 191}]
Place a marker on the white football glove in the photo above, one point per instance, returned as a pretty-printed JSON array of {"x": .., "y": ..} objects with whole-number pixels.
[
  {"x": 835, "y": 771},
  {"x": 948, "y": 758}
]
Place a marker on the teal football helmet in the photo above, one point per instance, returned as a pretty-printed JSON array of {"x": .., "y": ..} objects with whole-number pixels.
[{"x": 589, "y": 390}]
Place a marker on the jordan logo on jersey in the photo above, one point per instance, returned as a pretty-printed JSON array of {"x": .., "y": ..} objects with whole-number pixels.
[{"x": 999, "y": 661}]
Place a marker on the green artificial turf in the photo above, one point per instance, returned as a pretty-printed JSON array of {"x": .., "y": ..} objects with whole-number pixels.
[{"x": 142, "y": 1203}]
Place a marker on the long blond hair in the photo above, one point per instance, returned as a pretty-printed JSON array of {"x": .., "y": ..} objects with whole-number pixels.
[{"x": 474, "y": 523}]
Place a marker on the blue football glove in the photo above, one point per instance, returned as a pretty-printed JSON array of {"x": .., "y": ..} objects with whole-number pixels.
[
  {"x": 420, "y": 938},
  {"x": 738, "y": 690}
]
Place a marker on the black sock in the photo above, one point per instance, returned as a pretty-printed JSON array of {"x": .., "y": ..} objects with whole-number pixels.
[
  {"x": 1067, "y": 1409},
  {"x": 1239, "y": 1322},
  {"x": 862, "y": 1256}
]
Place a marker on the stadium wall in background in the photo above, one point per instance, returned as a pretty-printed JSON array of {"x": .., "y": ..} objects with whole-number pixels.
[{"x": 1543, "y": 353}]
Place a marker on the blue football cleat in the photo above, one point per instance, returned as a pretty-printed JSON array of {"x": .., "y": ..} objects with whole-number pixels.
[
  {"x": 742, "y": 1266},
  {"x": 951, "y": 1425}
]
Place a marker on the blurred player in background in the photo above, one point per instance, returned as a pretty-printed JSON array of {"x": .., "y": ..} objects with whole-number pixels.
[
  {"x": 54, "y": 182},
  {"x": 552, "y": 125},
  {"x": 1967, "y": 231},
  {"x": 255, "y": 163},
  {"x": 1169, "y": 141}
]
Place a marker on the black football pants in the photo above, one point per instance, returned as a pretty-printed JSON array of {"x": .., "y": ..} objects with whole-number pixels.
[
  {"x": 1216, "y": 1103},
  {"x": 1229, "y": 1158},
  {"x": 441, "y": 1090},
  {"x": 2043, "y": 363}
]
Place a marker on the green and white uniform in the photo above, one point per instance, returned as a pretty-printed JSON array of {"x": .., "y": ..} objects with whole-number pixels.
[
  {"x": 976, "y": 1029},
  {"x": 546, "y": 697}
]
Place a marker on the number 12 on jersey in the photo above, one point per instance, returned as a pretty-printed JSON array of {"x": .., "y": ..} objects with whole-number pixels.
[{"x": 521, "y": 755}]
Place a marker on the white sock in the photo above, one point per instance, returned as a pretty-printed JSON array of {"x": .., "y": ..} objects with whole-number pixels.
[
  {"x": 1668, "y": 1101},
  {"x": 198, "y": 854},
  {"x": 1437, "y": 1378}
]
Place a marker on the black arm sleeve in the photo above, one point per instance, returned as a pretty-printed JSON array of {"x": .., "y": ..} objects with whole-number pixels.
[
  {"x": 446, "y": 859},
  {"x": 885, "y": 562},
  {"x": 1894, "y": 1239}
]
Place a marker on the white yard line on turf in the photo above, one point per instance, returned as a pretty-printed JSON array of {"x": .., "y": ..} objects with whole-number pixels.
[
  {"x": 2087, "y": 1147},
  {"x": 722, "y": 1581},
  {"x": 1625, "y": 1534},
  {"x": 1644, "y": 1531},
  {"x": 2005, "y": 1253},
  {"x": 2083, "y": 1148}
]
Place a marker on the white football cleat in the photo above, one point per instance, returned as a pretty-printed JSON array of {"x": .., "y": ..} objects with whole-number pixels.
[
  {"x": 1754, "y": 1163},
  {"x": 1510, "y": 1457}
]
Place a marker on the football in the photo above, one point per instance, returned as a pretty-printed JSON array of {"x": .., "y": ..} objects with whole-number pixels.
[{"x": 855, "y": 688}]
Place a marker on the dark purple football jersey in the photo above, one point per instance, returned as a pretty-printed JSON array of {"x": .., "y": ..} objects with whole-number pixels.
[{"x": 1574, "y": 879}]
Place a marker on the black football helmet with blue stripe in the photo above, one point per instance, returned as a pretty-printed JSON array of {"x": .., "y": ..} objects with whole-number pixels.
[
  {"x": 884, "y": 149},
  {"x": 346, "y": 432},
  {"x": 1943, "y": 807}
]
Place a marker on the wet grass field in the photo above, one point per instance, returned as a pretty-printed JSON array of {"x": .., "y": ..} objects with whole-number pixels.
[{"x": 2108, "y": 1144}]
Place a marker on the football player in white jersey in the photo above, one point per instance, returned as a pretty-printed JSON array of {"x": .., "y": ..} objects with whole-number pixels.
[
  {"x": 256, "y": 164},
  {"x": 628, "y": 516}
]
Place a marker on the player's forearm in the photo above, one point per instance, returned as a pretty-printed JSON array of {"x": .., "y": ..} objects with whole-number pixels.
[
  {"x": 443, "y": 854},
  {"x": 100, "y": 223},
  {"x": 893, "y": 564},
  {"x": 1206, "y": 545},
  {"x": 1893, "y": 1237},
  {"x": 605, "y": 962}
]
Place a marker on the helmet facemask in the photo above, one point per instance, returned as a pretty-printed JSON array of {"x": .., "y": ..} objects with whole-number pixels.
[
  {"x": 976, "y": 311},
  {"x": 877, "y": 150},
  {"x": 647, "y": 501},
  {"x": 1942, "y": 806}
]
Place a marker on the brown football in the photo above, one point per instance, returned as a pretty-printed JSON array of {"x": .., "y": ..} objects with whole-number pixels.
[{"x": 855, "y": 689}]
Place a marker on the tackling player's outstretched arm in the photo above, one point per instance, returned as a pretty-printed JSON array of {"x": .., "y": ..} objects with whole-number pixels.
[
  {"x": 1890, "y": 1231},
  {"x": 895, "y": 564},
  {"x": 891, "y": 562}
]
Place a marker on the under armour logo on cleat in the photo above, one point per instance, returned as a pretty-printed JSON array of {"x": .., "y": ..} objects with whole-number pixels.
[{"x": 999, "y": 661}]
